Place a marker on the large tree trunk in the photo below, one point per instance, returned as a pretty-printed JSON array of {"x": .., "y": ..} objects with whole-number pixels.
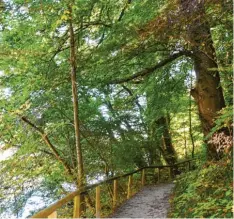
[{"x": 207, "y": 92}]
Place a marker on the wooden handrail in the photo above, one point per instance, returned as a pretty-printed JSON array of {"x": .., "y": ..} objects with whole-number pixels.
[{"x": 52, "y": 208}]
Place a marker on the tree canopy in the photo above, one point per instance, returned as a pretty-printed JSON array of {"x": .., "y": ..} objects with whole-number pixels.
[{"x": 93, "y": 88}]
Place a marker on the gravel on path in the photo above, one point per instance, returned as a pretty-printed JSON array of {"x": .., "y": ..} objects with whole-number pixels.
[{"x": 150, "y": 202}]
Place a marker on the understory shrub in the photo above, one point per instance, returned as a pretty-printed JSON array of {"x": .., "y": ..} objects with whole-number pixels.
[{"x": 206, "y": 192}]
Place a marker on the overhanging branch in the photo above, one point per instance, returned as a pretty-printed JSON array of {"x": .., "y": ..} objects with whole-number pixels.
[{"x": 150, "y": 70}]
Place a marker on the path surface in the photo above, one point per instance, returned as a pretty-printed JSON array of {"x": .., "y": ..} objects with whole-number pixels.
[{"x": 150, "y": 202}]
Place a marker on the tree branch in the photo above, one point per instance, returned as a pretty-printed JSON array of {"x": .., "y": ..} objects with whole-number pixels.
[
  {"x": 148, "y": 71},
  {"x": 48, "y": 142},
  {"x": 123, "y": 10},
  {"x": 138, "y": 105}
]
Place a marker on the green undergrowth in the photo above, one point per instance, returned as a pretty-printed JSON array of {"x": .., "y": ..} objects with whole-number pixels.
[{"x": 206, "y": 192}]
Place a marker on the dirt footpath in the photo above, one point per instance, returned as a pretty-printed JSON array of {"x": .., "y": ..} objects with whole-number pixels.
[{"x": 151, "y": 202}]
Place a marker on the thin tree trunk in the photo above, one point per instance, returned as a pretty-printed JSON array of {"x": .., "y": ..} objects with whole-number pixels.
[
  {"x": 185, "y": 142},
  {"x": 168, "y": 149},
  {"x": 80, "y": 169},
  {"x": 190, "y": 117}
]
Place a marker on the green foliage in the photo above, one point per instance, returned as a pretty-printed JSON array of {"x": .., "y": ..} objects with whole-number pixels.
[
  {"x": 222, "y": 32},
  {"x": 118, "y": 130},
  {"x": 207, "y": 192},
  {"x": 224, "y": 120}
]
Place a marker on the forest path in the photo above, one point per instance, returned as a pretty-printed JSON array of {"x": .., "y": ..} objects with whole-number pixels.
[{"x": 150, "y": 202}]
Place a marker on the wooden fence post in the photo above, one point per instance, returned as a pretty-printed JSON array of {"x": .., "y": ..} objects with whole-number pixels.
[
  {"x": 77, "y": 206},
  {"x": 129, "y": 186},
  {"x": 115, "y": 194},
  {"x": 98, "y": 202},
  {"x": 143, "y": 177},
  {"x": 53, "y": 215}
]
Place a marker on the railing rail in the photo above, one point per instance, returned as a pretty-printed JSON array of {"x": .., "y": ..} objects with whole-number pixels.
[{"x": 50, "y": 212}]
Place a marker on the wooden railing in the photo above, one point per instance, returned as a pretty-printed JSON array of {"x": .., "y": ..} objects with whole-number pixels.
[{"x": 51, "y": 211}]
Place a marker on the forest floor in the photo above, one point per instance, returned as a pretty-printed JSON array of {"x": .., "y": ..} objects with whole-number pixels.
[{"x": 150, "y": 202}]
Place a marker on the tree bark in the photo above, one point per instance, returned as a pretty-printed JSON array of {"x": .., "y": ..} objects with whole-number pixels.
[{"x": 207, "y": 93}]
